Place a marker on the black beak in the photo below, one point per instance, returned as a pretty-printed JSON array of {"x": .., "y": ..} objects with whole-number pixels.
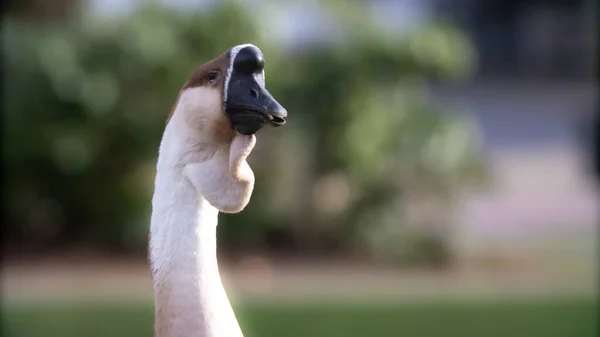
[
  {"x": 250, "y": 106},
  {"x": 248, "y": 103}
]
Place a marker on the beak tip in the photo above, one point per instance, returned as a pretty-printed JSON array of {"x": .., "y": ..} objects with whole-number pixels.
[
  {"x": 278, "y": 112},
  {"x": 277, "y": 118}
]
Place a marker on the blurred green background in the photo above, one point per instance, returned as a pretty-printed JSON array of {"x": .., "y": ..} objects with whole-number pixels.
[{"x": 432, "y": 178}]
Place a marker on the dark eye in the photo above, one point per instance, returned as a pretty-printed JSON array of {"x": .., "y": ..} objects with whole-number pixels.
[{"x": 212, "y": 76}]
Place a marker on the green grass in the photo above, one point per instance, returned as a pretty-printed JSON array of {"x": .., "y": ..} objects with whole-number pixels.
[{"x": 531, "y": 318}]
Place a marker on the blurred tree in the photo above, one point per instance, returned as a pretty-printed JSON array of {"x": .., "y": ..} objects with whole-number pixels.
[
  {"x": 364, "y": 151},
  {"x": 85, "y": 106},
  {"x": 376, "y": 141}
]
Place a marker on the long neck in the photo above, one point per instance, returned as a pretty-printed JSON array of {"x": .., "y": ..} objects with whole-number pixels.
[{"x": 190, "y": 300}]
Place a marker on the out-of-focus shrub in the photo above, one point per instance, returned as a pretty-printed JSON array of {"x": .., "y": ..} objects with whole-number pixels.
[
  {"x": 85, "y": 106},
  {"x": 380, "y": 164},
  {"x": 363, "y": 152}
]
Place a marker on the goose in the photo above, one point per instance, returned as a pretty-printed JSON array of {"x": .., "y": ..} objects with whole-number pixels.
[{"x": 201, "y": 171}]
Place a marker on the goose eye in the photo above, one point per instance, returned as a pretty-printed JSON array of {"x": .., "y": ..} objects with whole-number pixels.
[{"x": 213, "y": 76}]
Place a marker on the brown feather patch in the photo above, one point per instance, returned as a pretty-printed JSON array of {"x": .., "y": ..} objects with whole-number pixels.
[{"x": 199, "y": 77}]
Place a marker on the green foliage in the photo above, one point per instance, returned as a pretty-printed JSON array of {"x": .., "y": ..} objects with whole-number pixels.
[
  {"x": 375, "y": 135},
  {"x": 86, "y": 104}
]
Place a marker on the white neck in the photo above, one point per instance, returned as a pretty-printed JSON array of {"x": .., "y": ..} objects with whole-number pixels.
[{"x": 190, "y": 300}]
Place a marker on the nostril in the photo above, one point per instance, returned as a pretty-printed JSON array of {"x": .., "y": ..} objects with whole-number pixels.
[
  {"x": 279, "y": 120},
  {"x": 254, "y": 93}
]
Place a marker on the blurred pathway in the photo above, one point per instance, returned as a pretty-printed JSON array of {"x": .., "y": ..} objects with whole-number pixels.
[{"x": 258, "y": 280}]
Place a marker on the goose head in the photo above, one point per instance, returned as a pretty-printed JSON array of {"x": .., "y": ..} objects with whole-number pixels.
[
  {"x": 210, "y": 131},
  {"x": 227, "y": 95}
]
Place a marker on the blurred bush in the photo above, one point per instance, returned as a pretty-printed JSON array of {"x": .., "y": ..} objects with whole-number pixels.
[
  {"x": 86, "y": 102},
  {"x": 365, "y": 150}
]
